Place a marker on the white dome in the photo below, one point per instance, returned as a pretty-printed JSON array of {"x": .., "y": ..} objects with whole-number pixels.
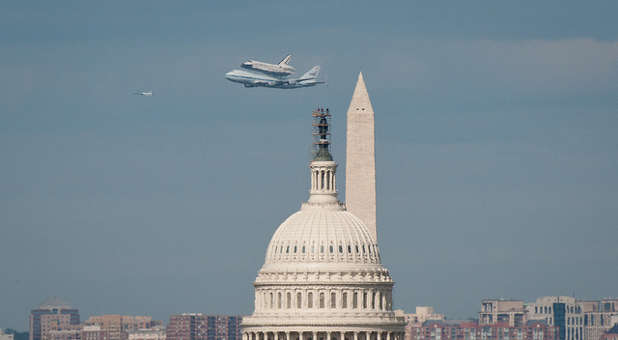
[
  {"x": 316, "y": 234},
  {"x": 322, "y": 278}
]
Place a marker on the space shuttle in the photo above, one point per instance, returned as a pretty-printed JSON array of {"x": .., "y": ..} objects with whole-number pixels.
[{"x": 280, "y": 70}]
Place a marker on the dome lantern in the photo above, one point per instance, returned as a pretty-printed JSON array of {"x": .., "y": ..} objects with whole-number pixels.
[{"x": 323, "y": 184}]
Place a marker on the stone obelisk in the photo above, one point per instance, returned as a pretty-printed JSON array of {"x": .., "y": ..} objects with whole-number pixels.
[{"x": 360, "y": 172}]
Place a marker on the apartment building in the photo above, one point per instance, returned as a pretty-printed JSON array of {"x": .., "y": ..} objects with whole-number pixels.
[
  {"x": 119, "y": 326},
  {"x": 52, "y": 315},
  {"x": 197, "y": 326},
  {"x": 473, "y": 330},
  {"x": 495, "y": 311}
]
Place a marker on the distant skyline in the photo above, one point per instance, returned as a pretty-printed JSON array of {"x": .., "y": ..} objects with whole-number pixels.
[{"x": 496, "y": 147}]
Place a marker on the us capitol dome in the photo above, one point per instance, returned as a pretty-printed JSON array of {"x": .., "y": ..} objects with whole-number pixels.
[{"x": 322, "y": 277}]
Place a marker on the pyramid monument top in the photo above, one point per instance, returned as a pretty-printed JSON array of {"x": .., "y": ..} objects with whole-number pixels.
[{"x": 360, "y": 97}]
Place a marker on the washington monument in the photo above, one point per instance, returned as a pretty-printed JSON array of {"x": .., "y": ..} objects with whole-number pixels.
[{"x": 360, "y": 174}]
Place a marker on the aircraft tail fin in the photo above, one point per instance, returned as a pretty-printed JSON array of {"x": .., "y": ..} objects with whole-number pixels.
[
  {"x": 312, "y": 74},
  {"x": 285, "y": 60}
]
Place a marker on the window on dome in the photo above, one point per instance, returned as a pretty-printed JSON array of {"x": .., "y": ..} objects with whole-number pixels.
[
  {"x": 373, "y": 300},
  {"x": 289, "y": 300},
  {"x": 340, "y": 249},
  {"x": 344, "y": 300},
  {"x": 272, "y": 300},
  {"x": 369, "y": 249},
  {"x": 364, "y": 300},
  {"x": 333, "y": 300},
  {"x": 287, "y": 250},
  {"x": 355, "y": 300},
  {"x": 321, "y": 249},
  {"x": 350, "y": 249},
  {"x": 363, "y": 248},
  {"x": 279, "y": 300},
  {"x": 357, "y": 249},
  {"x": 331, "y": 248},
  {"x": 328, "y": 180},
  {"x": 264, "y": 301},
  {"x": 310, "y": 300},
  {"x": 299, "y": 300},
  {"x": 321, "y": 300},
  {"x": 295, "y": 247},
  {"x": 303, "y": 249}
]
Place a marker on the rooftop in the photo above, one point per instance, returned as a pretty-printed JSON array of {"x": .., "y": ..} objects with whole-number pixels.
[{"x": 54, "y": 302}]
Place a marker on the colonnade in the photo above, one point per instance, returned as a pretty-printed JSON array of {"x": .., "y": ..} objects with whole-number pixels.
[
  {"x": 342, "y": 299},
  {"x": 323, "y": 179},
  {"x": 323, "y": 335}
]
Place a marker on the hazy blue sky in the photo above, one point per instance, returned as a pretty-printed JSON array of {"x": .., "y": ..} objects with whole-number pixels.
[{"x": 497, "y": 148}]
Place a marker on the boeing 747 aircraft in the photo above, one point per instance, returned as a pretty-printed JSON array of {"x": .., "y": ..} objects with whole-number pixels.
[{"x": 251, "y": 79}]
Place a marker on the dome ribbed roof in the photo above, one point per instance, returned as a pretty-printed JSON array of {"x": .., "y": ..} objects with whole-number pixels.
[{"x": 318, "y": 234}]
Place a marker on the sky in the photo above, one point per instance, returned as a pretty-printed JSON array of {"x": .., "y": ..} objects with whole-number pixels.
[{"x": 496, "y": 146}]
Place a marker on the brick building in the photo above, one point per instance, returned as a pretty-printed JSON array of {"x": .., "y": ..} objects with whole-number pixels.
[
  {"x": 472, "y": 330},
  {"x": 118, "y": 326},
  {"x": 52, "y": 315},
  {"x": 94, "y": 332},
  {"x": 197, "y": 326},
  {"x": 611, "y": 334},
  {"x": 71, "y": 333},
  {"x": 155, "y": 333}
]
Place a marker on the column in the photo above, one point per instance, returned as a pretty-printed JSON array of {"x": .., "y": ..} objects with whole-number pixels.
[
  {"x": 287, "y": 335},
  {"x": 314, "y": 335}
]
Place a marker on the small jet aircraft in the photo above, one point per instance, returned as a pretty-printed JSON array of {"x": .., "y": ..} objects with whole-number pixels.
[
  {"x": 277, "y": 70},
  {"x": 250, "y": 79},
  {"x": 143, "y": 93}
]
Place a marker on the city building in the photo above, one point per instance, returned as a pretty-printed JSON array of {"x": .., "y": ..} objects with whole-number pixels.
[
  {"x": 599, "y": 316},
  {"x": 562, "y": 311},
  {"x": 118, "y": 326},
  {"x": 197, "y": 326},
  {"x": 322, "y": 277},
  {"x": 574, "y": 319},
  {"x": 155, "y": 333},
  {"x": 52, "y": 315},
  {"x": 611, "y": 334},
  {"x": 422, "y": 314},
  {"x": 495, "y": 311},
  {"x": 6, "y": 336},
  {"x": 473, "y": 330},
  {"x": 415, "y": 320},
  {"x": 70, "y": 333},
  {"x": 94, "y": 332}
]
